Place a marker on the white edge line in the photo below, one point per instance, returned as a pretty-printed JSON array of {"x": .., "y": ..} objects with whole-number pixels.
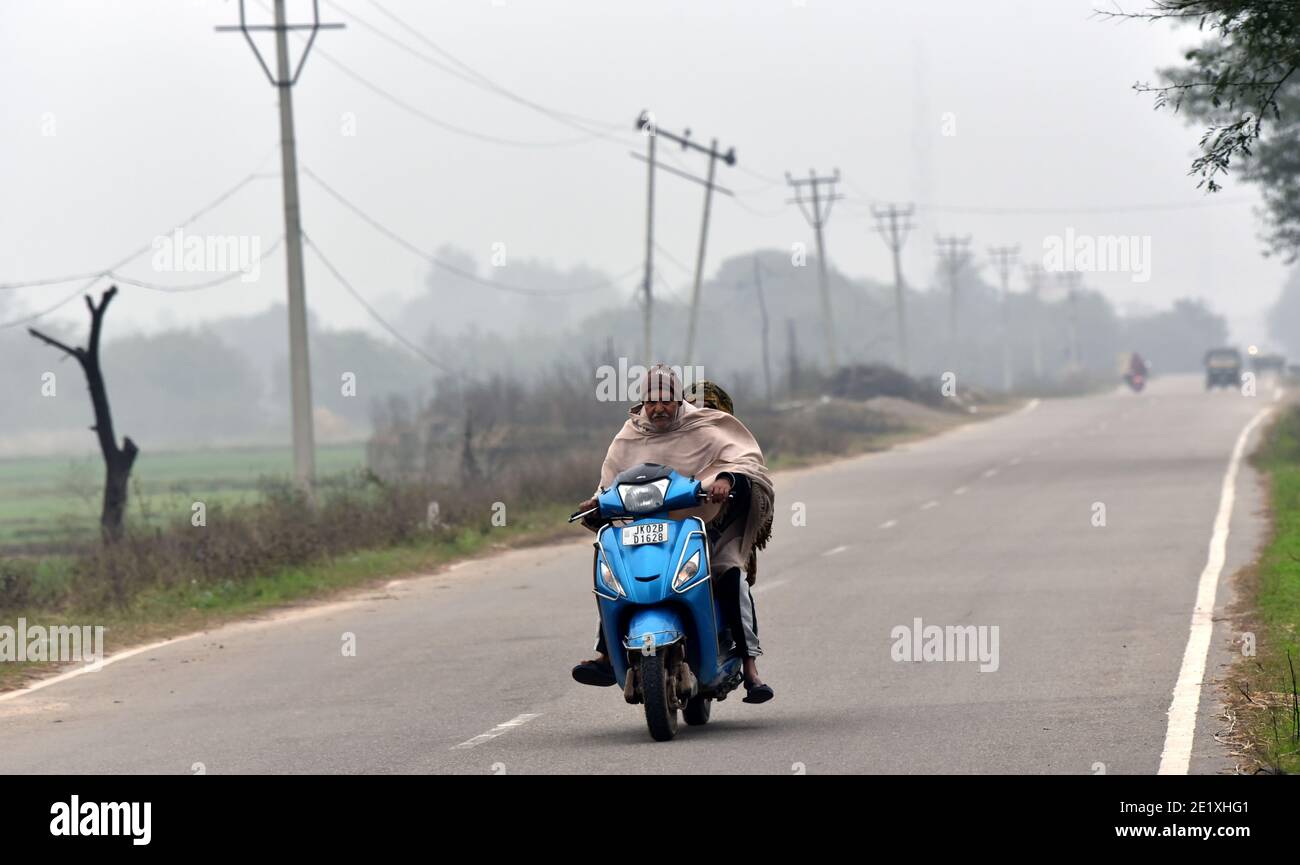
[
  {"x": 90, "y": 668},
  {"x": 1176, "y": 757}
]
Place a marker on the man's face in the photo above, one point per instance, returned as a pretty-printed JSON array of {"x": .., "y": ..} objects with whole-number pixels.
[{"x": 660, "y": 414}]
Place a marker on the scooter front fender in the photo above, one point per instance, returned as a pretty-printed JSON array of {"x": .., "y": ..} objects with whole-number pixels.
[{"x": 652, "y": 628}]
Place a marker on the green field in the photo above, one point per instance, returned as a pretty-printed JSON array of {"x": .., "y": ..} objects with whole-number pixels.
[{"x": 48, "y": 501}]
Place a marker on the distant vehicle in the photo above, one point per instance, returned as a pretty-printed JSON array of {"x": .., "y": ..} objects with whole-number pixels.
[
  {"x": 1222, "y": 368},
  {"x": 1137, "y": 373}
]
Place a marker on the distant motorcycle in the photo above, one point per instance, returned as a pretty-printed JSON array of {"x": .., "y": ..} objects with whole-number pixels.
[
  {"x": 1135, "y": 380},
  {"x": 657, "y": 606}
]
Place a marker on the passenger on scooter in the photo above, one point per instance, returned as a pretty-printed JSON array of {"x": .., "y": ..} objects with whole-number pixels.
[{"x": 716, "y": 448}]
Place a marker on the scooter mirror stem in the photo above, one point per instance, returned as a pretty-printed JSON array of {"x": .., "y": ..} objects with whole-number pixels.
[{"x": 580, "y": 514}]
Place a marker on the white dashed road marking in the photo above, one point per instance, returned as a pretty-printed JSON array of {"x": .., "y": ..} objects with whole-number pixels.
[{"x": 517, "y": 721}]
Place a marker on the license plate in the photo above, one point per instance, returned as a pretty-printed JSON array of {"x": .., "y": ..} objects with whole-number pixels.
[{"x": 646, "y": 533}]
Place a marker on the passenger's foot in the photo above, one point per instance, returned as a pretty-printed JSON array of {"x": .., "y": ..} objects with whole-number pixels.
[
  {"x": 598, "y": 672},
  {"x": 755, "y": 690}
]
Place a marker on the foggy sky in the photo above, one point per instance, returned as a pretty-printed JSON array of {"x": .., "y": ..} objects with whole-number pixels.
[{"x": 153, "y": 114}]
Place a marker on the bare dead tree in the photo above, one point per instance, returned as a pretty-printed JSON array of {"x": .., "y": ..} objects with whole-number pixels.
[{"x": 117, "y": 460}]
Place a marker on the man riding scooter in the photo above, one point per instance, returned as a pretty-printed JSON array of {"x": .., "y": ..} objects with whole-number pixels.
[
  {"x": 716, "y": 448},
  {"x": 1137, "y": 374}
]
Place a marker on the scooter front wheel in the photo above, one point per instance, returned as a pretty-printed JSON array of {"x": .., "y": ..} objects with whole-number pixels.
[{"x": 659, "y": 717}]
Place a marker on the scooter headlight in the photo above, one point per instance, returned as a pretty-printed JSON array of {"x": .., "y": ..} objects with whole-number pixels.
[
  {"x": 687, "y": 571},
  {"x": 643, "y": 498},
  {"x": 607, "y": 578}
]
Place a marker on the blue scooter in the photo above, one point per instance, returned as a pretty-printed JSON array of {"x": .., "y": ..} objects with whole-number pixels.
[{"x": 651, "y": 580}]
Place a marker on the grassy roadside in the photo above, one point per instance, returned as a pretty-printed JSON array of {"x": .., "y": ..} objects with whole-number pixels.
[
  {"x": 1264, "y": 698},
  {"x": 158, "y": 613}
]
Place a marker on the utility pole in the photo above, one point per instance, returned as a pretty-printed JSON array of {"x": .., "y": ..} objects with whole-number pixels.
[
  {"x": 817, "y": 215},
  {"x": 954, "y": 252},
  {"x": 895, "y": 235},
  {"x": 1071, "y": 279},
  {"x": 1003, "y": 257},
  {"x": 792, "y": 357},
  {"x": 1034, "y": 276},
  {"x": 646, "y": 123},
  {"x": 304, "y": 439},
  {"x": 762, "y": 308}
]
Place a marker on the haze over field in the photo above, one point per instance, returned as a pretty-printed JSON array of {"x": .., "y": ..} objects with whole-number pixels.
[{"x": 452, "y": 125}]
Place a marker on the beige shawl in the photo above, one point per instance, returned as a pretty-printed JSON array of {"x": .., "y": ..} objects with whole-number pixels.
[{"x": 703, "y": 443}]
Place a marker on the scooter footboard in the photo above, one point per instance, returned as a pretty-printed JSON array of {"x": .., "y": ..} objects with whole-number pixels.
[{"x": 651, "y": 628}]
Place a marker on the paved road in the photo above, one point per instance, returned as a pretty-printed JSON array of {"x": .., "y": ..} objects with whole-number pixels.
[{"x": 989, "y": 525}]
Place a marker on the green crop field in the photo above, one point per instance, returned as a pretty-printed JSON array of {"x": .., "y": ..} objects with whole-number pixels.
[{"x": 46, "y": 501}]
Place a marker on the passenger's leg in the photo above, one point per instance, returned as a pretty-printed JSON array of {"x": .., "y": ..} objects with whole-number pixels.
[{"x": 598, "y": 671}]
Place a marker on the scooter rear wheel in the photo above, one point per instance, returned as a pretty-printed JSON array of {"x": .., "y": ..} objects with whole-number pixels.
[
  {"x": 697, "y": 709},
  {"x": 661, "y": 719}
]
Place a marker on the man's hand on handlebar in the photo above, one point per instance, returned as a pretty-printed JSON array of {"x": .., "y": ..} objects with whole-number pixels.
[
  {"x": 593, "y": 519},
  {"x": 719, "y": 491}
]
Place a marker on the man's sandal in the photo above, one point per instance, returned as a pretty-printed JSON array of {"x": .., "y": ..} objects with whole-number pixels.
[{"x": 594, "y": 673}]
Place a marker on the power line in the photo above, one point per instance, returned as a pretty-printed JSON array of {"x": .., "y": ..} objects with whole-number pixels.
[
  {"x": 343, "y": 281},
  {"x": 212, "y": 205},
  {"x": 668, "y": 255},
  {"x": 198, "y": 214},
  {"x": 593, "y": 128},
  {"x": 1060, "y": 211},
  {"x": 198, "y": 286},
  {"x": 762, "y": 214},
  {"x": 442, "y": 124},
  {"x": 57, "y": 280},
  {"x": 451, "y": 268},
  {"x": 476, "y": 78}
]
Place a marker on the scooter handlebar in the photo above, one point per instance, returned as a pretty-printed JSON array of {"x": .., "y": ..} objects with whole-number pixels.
[{"x": 700, "y": 494}]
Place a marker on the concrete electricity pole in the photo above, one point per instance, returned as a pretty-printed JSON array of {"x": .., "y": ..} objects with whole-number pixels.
[
  {"x": 646, "y": 123},
  {"x": 954, "y": 253},
  {"x": 817, "y": 216},
  {"x": 304, "y": 446},
  {"x": 1034, "y": 275},
  {"x": 895, "y": 235},
  {"x": 762, "y": 308},
  {"x": 1071, "y": 279},
  {"x": 1003, "y": 257}
]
